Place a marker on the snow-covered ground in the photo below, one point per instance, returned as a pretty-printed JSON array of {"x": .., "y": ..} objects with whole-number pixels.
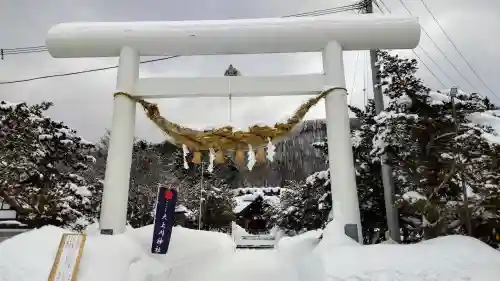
[{"x": 201, "y": 255}]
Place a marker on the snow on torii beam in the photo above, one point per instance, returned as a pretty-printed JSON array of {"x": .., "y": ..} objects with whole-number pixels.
[
  {"x": 330, "y": 34},
  {"x": 247, "y": 36}
]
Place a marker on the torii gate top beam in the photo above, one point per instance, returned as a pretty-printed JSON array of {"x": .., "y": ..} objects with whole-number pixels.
[{"x": 242, "y": 36}]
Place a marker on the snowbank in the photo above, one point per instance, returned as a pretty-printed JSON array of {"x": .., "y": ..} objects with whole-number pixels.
[
  {"x": 29, "y": 256},
  {"x": 210, "y": 256},
  {"x": 446, "y": 259},
  {"x": 298, "y": 250},
  {"x": 186, "y": 244},
  {"x": 337, "y": 257},
  {"x": 294, "y": 248}
]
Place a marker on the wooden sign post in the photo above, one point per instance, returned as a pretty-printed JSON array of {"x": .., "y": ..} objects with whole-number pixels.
[{"x": 68, "y": 257}]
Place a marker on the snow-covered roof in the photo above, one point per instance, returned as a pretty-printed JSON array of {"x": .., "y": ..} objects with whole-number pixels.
[{"x": 243, "y": 201}]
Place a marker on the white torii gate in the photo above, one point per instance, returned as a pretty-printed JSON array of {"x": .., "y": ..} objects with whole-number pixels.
[{"x": 330, "y": 35}]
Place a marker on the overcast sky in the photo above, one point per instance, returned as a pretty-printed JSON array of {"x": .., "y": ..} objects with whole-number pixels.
[{"x": 84, "y": 102}]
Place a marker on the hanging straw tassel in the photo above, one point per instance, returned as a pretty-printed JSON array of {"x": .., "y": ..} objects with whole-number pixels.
[
  {"x": 261, "y": 155},
  {"x": 240, "y": 157},
  {"x": 197, "y": 157},
  {"x": 219, "y": 157}
]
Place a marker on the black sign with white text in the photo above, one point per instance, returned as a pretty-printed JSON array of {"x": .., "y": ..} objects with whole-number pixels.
[{"x": 164, "y": 220}]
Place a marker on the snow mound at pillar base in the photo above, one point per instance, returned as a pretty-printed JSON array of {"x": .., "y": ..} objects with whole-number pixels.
[
  {"x": 29, "y": 256},
  {"x": 337, "y": 257}
]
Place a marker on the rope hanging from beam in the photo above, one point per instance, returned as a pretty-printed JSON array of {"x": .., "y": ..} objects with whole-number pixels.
[{"x": 226, "y": 138}]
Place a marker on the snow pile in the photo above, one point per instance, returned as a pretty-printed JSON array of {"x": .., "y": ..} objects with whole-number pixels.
[
  {"x": 306, "y": 252},
  {"x": 201, "y": 255},
  {"x": 337, "y": 257},
  {"x": 29, "y": 256},
  {"x": 448, "y": 258},
  {"x": 186, "y": 244},
  {"x": 292, "y": 249}
]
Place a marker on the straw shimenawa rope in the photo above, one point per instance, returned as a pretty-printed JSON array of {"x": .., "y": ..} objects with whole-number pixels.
[{"x": 225, "y": 138}]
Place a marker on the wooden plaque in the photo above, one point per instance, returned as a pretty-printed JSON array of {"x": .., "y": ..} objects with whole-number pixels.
[{"x": 69, "y": 253}]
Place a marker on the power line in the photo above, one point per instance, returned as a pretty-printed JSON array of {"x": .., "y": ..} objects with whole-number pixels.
[
  {"x": 415, "y": 53},
  {"x": 24, "y": 48},
  {"x": 442, "y": 70},
  {"x": 360, "y": 5},
  {"x": 17, "y": 52},
  {"x": 458, "y": 51},
  {"x": 430, "y": 71},
  {"x": 351, "y": 7},
  {"x": 439, "y": 49},
  {"x": 78, "y": 72}
]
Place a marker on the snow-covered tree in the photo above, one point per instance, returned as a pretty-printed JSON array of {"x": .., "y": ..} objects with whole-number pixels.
[
  {"x": 417, "y": 130},
  {"x": 150, "y": 169},
  {"x": 41, "y": 166},
  {"x": 368, "y": 175},
  {"x": 213, "y": 189},
  {"x": 317, "y": 187},
  {"x": 304, "y": 206}
]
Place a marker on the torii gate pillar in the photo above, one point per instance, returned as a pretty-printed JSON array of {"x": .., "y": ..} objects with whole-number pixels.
[{"x": 330, "y": 35}]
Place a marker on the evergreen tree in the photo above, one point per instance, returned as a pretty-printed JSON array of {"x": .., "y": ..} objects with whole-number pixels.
[
  {"x": 368, "y": 175},
  {"x": 417, "y": 130},
  {"x": 150, "y": 170},
  {"x": 42, "y": 162},
  {"x": 215, "y": 190},
  {"x": 316, "y": 188},
  {"x": 304, "y": 206}
]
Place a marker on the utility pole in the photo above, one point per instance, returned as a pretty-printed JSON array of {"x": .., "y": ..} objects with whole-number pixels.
[
  {"x": 453, "y": 94},
  {"x": 391, "y": 212}
]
